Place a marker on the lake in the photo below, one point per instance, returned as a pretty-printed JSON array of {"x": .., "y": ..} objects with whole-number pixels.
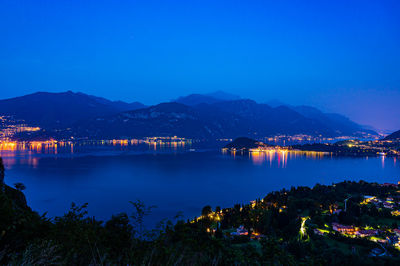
[{"x": 175, "y": 178}]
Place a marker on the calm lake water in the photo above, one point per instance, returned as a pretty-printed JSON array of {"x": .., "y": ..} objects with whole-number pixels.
[{"x": 175, "y": 179}]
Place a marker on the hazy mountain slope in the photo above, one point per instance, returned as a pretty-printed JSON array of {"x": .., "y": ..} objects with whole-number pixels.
[
  {"x": 210, "y": 98},
  {"x": 393, "y": 136},
  {"x": 283, "y": 119},
  {"x": 341, "y": 124},
  {"x": 266, "y": 120}
]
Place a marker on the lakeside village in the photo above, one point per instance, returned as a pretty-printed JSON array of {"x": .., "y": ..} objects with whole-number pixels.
[
  {"x": 10, "y": 130},
  {"x": 356, "y": 218},
  {"x": 340, "y": 148}
]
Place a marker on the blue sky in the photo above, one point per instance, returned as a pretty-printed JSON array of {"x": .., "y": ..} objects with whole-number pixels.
[{"x": 340, "y": 56}]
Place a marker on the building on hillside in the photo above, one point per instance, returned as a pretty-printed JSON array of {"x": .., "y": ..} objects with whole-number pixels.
[
  {"x": 389, "y": 185},
  {"x": 388, "y": 205},
  {"x": 240, "y": 231},
  {"x": 366, "y": 233},
  {"x": 344, "y": 229},
  {"x": 318, "y": 232}
]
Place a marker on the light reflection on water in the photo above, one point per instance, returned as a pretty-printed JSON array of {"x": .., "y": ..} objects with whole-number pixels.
[
  {"x": 281, "y": 157},
  {"x": 278, "y": 157}
]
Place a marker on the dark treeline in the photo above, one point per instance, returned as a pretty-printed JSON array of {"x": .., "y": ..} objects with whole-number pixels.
[{"x": 26, "y": 238}]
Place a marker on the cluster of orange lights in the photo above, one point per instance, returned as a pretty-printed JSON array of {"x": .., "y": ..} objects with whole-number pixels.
[
  {"x": 37, "y": 146},
  {"x": 52, "y": 145}
]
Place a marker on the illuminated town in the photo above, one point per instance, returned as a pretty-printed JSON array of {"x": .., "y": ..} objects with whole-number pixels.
[
  {"x": 10, "y": 127},
  {"x": 342, "y": 148},
  {"x": 283, "y": 139},
  {"x": 378, "y": 217}
]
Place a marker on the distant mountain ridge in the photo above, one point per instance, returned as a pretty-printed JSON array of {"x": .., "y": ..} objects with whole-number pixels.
[
  {"x": 193, "y": 116},
  {"x": 221, "y": 95},
  {"x": 339, "y": 122},
  {"x": 228, "y": 119},
  {"x": 119, "y": 105},
  {"x": 209, "y": 98},
  {"x": 195, "y": 99}
]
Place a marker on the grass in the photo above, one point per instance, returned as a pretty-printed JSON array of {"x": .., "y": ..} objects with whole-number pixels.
[{"x": 345, "y": 248}]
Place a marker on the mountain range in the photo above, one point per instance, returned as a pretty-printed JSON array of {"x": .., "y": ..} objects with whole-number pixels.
[{"x": 202, "y": 116}]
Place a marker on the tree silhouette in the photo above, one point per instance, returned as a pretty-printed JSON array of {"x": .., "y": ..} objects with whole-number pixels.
[
  {"x": 19, "y": 186},
  {"x": 206, "y": 210}
]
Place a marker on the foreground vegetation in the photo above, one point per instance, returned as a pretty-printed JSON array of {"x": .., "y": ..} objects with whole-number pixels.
[{"x": 280, "y": 229}]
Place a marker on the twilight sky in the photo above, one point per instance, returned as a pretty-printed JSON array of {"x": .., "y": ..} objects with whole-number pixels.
[{"x": 341, "y": 56}]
